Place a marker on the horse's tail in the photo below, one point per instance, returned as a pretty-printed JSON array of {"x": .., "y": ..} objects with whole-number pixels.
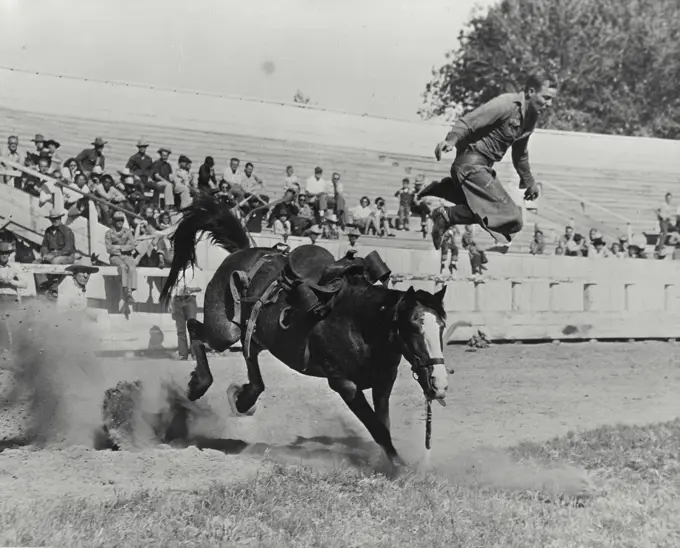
[{"x": 206, "y": 214}]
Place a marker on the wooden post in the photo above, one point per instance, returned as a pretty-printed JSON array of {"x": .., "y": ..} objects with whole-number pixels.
[
  {"x": 588, "y": 295},
  {"x": 515, "y": 289},
  {"x": 626, "y": 296},
  {"x": 478, "y": 296},
  {"x": 551, "y": 295},
  {"x": 668, "y": 298}
]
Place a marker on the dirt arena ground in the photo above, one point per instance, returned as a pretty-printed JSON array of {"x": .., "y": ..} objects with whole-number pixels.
[{"x": 498, "y": 396}]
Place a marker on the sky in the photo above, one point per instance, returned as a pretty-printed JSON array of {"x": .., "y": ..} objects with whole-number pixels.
[{"x": 365, "y": 56}]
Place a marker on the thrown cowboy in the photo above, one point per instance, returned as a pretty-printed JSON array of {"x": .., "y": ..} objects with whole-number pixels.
[
  {"x": 120, "y": 245},
  {"x": 481, "y": 138}
]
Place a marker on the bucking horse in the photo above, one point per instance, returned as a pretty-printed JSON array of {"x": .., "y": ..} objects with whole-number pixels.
[{"x": 334, "y": 319}]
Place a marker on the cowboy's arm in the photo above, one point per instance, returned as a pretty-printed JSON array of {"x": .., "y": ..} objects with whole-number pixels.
[
  {"x": 44, "y": 246},
  {"x": 482, "y": 117},
  {"x": 520, "y": 159},
  {"x": 111, "y": 248},
  {"x": 128, "y": 245}
]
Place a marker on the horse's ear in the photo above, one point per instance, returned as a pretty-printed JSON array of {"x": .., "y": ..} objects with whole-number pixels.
[
  {"x": 410, "y": 294},
  {"x": 439, "y": 295}
]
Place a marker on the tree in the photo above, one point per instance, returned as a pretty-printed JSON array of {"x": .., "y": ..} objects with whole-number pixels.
[
  {"x": 301, "y": 98},
  {"x": 617, "y": 63}
]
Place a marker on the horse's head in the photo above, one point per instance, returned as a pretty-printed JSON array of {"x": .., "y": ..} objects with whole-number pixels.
[{"x": 420, "y": 326}]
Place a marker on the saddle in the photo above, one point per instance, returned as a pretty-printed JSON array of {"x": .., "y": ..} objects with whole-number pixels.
[{"x": 312, "y": 276}]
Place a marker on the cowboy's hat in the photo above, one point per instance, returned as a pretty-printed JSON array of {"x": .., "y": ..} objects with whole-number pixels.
[
  {"x": 6, "y": 247},
  {"x": 142, "y": 142},
  {"x": 353, "y": 232},
  {"x": 54, "y": 142},
  {"x": 162, "y": 149},
  {"x": 82, "y": 264},
  {"x": 97, "y": 170},
  {"x": 54, "y": 214},
  {"x": 119, "y": 215},
  {"x": 125, "y": 172},
  {"x": 39, "y": 138},
  {"x": 99, "y": 142}
]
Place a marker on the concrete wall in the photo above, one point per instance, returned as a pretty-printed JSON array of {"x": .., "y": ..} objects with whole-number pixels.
[{"x": 524, "y": 298}]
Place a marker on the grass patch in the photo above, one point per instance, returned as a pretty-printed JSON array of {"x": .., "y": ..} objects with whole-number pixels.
[{"x": 635, "y": 503}]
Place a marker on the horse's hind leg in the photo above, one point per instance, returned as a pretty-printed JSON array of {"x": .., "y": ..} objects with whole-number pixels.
[
  {"x": 201, "y": 377},
  {"x": 244, "y": 398}
]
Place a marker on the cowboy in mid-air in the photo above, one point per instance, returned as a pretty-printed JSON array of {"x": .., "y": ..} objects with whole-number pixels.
[{"x": 481, "y": 138}]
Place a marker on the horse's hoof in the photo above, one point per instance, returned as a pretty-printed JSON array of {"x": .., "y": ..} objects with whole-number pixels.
[{"x": 233, "y": 392}]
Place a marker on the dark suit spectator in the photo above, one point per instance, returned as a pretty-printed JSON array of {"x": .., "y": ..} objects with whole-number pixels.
[
  {"x": 207, "y": 181},
  {"x": 89, "y": 158},
  {"x": 140, "y": 163}
]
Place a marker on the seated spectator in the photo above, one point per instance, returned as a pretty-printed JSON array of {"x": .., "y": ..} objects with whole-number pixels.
[
  {"x": 69, "y": 170},
  {"x": 72, "y": 291},
  {"x": 225, "y": 195},
  {"x": 35, "y": 185},
  {"x": 330, "y": 228},
  {"x": 106, "y": 190},
  {"x": 382, "y": 220},
  {"x": 185, "y": 186},
  {"x": 231, "y": 174},
  {"x": 140, "y": 163},
  {"x": 316, "y": 188},
  {"x": 151, "y": 247},
  {"x": 11, "y": 279},
  {"x": 58, "y": 247},
  {"x": 55, "y": 160},
  {"x": 560, "y": 249},
  {"x": 291, "y": 181},
  {"x": 567, "y": 236},
  {"x": 537, "y": 245},
  {"x": 406, "y": 198},
  {"x": 120, "y": 245},
  {"x": 252, "y": 185},
  {"x": 162, "y": 178},
  {"x": 669, "y": 220},
  {"x": 14, "y": 176},
  {"x": 304, "y": 218},
  {"x": 352, "y": 247},
  {"x": 616, "y": 251},
  {"x": 576, "y": 247},
  {"x": 362, "y": 216},
  {"x": 207, "y": 182},
  {"x": 32, "y": 158},
  {"x": 90, "y": 158},
  {"x": 75, "y": 203},
  {"x": 283, "y": 212},
  {"x": 599, "y": 249},
  {"x": 313, "y": 233}
]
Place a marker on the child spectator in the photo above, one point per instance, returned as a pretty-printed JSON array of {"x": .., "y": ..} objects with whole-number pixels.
[
  {"x": 405, "y": 203},
  {"x": 449, "y": 246}
]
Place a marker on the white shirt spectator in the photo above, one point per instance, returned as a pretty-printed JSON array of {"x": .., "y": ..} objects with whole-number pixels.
[
  {"x": 316, "y": 186},
  {"x": 291, "y": 182},
  {"x": 231, "y": 177},
  {"x": 71, "y": 295},
  {"x": 360, "y": 212},
  {"x": 9, "y": 272},
  {"x": 70, "y": 195}
]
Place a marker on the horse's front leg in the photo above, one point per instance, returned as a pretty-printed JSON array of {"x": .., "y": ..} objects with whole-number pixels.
[
  {"x": 356, "y": 401},
  {"x": 243, "y": 399},
  {"x": 381, "y": 398},
  {"x": 201, "y": 376}
]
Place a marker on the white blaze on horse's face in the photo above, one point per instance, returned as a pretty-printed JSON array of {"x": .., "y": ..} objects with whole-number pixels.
[{"x": 431, "y": 332}]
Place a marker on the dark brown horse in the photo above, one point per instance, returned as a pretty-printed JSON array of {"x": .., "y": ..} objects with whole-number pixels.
[{"x": 355, "y": 338}]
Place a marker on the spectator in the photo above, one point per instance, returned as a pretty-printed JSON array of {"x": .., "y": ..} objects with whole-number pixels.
[
  {"x": 55, "y": 161},
  {"x": 668, "y": 216},
  {"x": 252, "y": 184},
  {"x": 313, "y": 233},
  {"x": 151, "y": 246},
  {"x": 107, "y": 191},
  {"x": 675, "y": 241},
  {"x": 477, "y": 258},
  {"x": 12, "y": 153},
  {"x": 468, "y": 237},
  {"x": 140, "y": 163},
  {"x": 162, "y": 177},
  {"x": 71, "y": 294},
  {"x": 291, "y": 180},
  {"x": 90, "y": 158},
  {"x": 599, "y": 249},
  {"x": 207, "y": 181},
  {"x": 69, "y": 170},
  {"x": 406, "y": 198},
  {"x": 616, "y": 251},
  {"x": 419, "y": 208},
  {"x": 120, "y": 245},
  {"x": 362, "y": 215},
  {"x": 560, "y": 249},
  {"x": 184, "y": 307},
  {"x": 449, "y": 246},
  {"x": 32, "y": 157},
  {"x": 58, "y": 247},
  {"x": 352, "y": 248},
  {"x": 636, "y": 252},
  {"x": 132, "y": 188},
  {"x": 305, "y": 216},
  {"x": 35, "y": 185},
  {"x": 231, "y": 174},
  {"x": 382, "y": 220},
  {"x": 316, "y": 188},
  {"x": 537, "y": 245},
  {"x": 329, "y": 226},
  {"x": 185, "y": 185},
  {"x": 283, "y": 212},
  {"x": 10, "y": 275},
  {"x": 567, "y": 237},
  {"x": 74, "y": 201},
  {"x": 576, "y": 247},
  {"x": 337, "y": 203}
]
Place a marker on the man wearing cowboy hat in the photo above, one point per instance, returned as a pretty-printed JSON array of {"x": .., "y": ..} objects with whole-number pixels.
[
  {"x": 71, "y": 294},
  {"x": 140, "y": 163},
  {"x": 91, "y": 157},
  {"x": 184, "y": 185},
  {"x": 162, "y": 176},
  {"x": 32, "y": 157},
  {"x": 184, "y": 307},
  {"x": 58, "y": 247},
  {"x": 120, "y": 245},
  {"x": 314, "y": 233},
  {"x": 52, "y": 145},
  {"x": 11, "y": 281},
  {"x": 352, "y": 248}
]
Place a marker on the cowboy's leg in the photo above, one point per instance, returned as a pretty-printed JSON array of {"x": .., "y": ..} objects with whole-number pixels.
[
  {"x": 117, "y": 261},
  {"x": 663, "y": 234},
  {"x": 178, "y": 315},
  {"x": 184, "y": 193},
  {"x": 132, "y": 272}
]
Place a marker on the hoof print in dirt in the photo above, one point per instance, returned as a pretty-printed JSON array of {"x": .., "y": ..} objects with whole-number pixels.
[{"x": 120, "y": 413}]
